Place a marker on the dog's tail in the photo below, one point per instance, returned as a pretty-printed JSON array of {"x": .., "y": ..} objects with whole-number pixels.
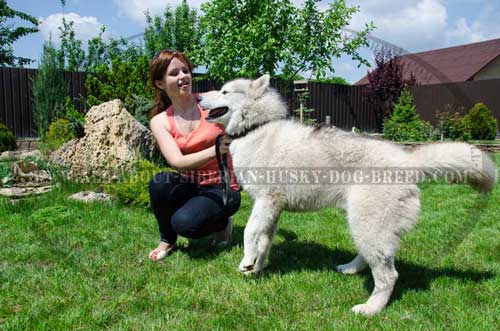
[{"x": 458, "y": 163}]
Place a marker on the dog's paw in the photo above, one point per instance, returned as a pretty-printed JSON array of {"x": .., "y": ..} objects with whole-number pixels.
[
  {"x": 250, "y": 266},
  {"x": 347, "y": 269},
  {"x": 365, "y": 309},
  {"x": 247, "y": 266}
]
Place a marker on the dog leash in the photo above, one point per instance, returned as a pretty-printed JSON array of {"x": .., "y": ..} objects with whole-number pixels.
[{"x": 223, "y": 170}]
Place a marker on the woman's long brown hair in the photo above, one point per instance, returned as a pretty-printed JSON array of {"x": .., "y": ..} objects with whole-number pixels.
[{"x": 157, "y": 69}]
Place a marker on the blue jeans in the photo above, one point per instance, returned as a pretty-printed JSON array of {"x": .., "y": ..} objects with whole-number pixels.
[{"x": 186, "y": 209}]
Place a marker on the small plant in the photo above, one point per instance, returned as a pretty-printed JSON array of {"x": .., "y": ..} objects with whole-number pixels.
[
  {"x": 59, "y": 133},
  {"x": 7, "y": 139},
  {"x": 452, "y": 126},
  {"x": 405, "y": 124},
  {"x": 481, "y": 122},
  {"x": 141, "y": 106},
  {"x": 76, "y": 120},
  {"x": 132, "y": 189}
]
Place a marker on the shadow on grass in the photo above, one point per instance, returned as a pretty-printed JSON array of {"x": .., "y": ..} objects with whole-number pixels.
[
  {"x": 202, "y": 248},
  {"x": 297, "y": 256}
]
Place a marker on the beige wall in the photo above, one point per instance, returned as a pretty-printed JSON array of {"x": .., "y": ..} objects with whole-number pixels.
[{"x": 491, "y": 71}]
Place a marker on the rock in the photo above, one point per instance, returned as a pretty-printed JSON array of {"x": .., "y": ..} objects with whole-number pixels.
[
  {"x": 90, "y": 196},
  {"x": 114, "y": 140},
  {"x": 21, "y": 192},
  {"x": 27, "y": 179},
  {"x": 27, "y": 174},
  {"x": 19, "y": 155}
]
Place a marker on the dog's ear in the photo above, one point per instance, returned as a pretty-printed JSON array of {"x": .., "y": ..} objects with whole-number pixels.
[{"x": 261, "y": 84}]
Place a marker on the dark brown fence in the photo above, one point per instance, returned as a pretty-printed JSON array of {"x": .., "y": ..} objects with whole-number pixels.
[
  {"x": 346, "y": 105},
  {"x": 456, "y": 97},
  {"x": 16, "y": 98}
]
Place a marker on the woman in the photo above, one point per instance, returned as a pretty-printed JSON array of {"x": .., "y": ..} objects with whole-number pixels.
[{"x": 188, "y": 203}]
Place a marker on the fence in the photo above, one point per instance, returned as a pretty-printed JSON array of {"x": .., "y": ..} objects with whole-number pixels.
[
  {"x": 457, "y": 97},
  {"x": 346, "y": 105},
  {"x": 16, "y": 97}
]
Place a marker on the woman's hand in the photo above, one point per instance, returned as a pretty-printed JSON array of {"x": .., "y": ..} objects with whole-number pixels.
[{"x": 224, "y": 145}]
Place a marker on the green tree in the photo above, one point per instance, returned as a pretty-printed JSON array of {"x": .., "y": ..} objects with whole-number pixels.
[
  {"x": 70, "y": 54},
  {"x": 179, "y": 30},
  {"x": 316, "y": 38},
  {"x": 332, "y": 80},
  {"x": 9, "y": 34},
  {"x": 405, "y": 124},
  {"x": 49, "y": 90},
  {"x": 247, "y": 38},
  {"x": 97, "y": 52}
]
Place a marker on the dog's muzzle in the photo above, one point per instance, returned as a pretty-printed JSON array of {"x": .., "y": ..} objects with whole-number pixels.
[{"x": 217, "y": 112}]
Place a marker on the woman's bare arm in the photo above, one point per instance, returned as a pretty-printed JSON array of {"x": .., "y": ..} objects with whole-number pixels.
[{"x": 171, "y": 151}]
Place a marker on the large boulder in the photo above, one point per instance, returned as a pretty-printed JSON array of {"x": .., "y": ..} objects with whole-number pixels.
[{"x": 113, "y": 142}]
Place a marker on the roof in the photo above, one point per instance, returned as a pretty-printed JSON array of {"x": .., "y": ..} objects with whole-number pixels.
[{"x": 446, "y": 65}]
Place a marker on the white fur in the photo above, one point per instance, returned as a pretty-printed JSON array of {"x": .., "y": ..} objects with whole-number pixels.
[{"x": 378, "y": 215}]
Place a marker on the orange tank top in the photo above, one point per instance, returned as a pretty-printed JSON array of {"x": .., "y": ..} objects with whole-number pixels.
[{"x": 202, "y": 137}]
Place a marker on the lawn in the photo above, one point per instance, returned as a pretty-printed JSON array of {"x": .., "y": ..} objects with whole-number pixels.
[{"x": 70, "y": 266}]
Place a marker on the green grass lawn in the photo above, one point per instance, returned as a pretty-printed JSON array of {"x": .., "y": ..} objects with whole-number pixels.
[{"x": 70, "y": 266}]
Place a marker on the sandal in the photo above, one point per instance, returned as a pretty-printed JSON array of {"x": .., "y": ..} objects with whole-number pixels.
[{"x": 158, "y": 254}]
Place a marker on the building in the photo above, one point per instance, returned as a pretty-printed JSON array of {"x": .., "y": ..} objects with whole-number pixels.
[{"x": 471, "y": 62}]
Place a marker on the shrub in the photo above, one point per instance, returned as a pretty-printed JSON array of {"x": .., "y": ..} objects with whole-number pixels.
[
  {"x": 453, "y": 126},
  {"x": 132, "y": 189},
  {"x": 481, "y": 123},
  {"x": 59, "y": 133},
  {"x": 405, "y": 124},
  {"x": 121, "y": 80},
  {"x": 76, "y": 120},
  {"x": 7, "y": 139}
]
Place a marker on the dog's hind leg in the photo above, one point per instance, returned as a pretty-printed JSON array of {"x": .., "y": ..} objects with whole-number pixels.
[
  {"x": 357, "y": 265},
  {"x": 377, "y": 221},
  {"x": 259, "y": 233}
]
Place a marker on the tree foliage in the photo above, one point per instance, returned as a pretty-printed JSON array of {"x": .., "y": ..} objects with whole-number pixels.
[
  {"x": 386, "y": 82},
  {"x": 405, "y": 124},
  {"x": 481, "y": 122},
  {"x": 452, "y": 125},
  {"x": 248, "y": 38},
  {"x": 9, "y": 34},
  {"x": 179, "y": 30},
  {"x": 49, "y": 90},
  {"x": 70, "y": 54}
]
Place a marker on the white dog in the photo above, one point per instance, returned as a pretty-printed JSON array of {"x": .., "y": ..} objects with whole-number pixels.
[{"x": 379, "y": 211}]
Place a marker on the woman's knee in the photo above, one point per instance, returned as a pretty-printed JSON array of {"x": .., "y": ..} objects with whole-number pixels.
[
  {"x": 184, "y": 224},
  {"x": 162, "y": 183}
]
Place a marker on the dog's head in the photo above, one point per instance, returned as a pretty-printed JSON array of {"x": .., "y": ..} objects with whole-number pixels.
[{"x": 243, "y": 103}]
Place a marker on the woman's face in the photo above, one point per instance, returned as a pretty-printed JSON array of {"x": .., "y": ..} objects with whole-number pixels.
[{"x": 177, "y": 79}]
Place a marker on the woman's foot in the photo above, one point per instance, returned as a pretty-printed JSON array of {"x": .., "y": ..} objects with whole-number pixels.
[
  {"x": 223, "y": 238},
  {"x": 161, "y": 251}
]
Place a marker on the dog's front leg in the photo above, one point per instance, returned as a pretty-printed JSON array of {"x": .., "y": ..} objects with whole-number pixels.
[{"x": 259, "y": 234}]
